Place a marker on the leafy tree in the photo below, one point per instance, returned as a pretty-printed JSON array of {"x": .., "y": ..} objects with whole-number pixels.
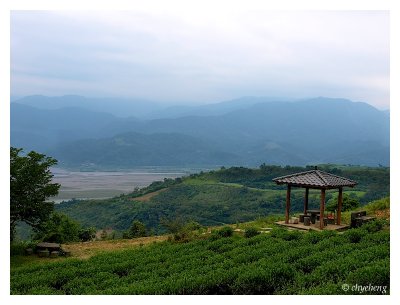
[
  {"x": 225, "y": 232},
  {"x": 30, "y": 186},
  {"x": 137, "y": 229},
  {"x": 87, "y": 234},
  {"x": 180, "y": 229},
  {"x": 349, "y": 203},
  {"x": 58, "y": 228}
]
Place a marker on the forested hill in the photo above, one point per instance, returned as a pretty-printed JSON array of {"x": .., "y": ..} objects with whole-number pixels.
[
  {"x": 245, "y": 132},
  {"x": 224, "y": 196}
]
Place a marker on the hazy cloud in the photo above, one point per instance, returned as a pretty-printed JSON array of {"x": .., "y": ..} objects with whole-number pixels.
[{"x": 202, "y": 57}]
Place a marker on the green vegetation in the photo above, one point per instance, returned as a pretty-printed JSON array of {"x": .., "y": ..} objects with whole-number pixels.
[
  {"x": 378, "y": 205},
  {"x": 181, "y": 231},
  {"x": 251, "y": 232},
  {"x": 349, "y": 203},
  {"x": 137, "y": 229},
  {"x": 223, "y": 232},
  {"x": 30, "y": 186},
  {"x": 282, "y": 262},
  {"x": 59, "y": 228},
  {"x": 219, "y": 197},
  {"x": 379, "y": 208}
]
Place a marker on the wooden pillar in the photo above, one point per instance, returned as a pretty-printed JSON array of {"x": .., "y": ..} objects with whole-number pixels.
[
  {"x": 306, "y": 200},
  {"x": 287, "y": 204},
  {"x": 340, "y": 203},
  {"x": 322, "y": 210}
]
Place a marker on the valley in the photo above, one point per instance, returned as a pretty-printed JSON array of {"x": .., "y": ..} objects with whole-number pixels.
[
  {"x": 100, "y": 185},
  {"x": 217, "y": 197}
]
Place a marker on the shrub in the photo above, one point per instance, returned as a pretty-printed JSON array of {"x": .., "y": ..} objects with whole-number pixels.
[
  {"x": 285, "y": 234},
  {"x": 375, "y": 225},
  {"x": 59, "y": 229},
  {"x": 349, "y": 203},
  {"x": 87, "y": 234},
  {"x": 251, "y": 232},
  {"x": 225, "y": 232},
  {"x": 380, "y": 204},
  {"x": 137, "y": 229},
  {"x": 377, "y": 274},
  {"x": 354, "y": 235},
  {"x": 264, "y": 280},
  {"x": 18, "y": 248},
  {"x": 181, "y": 231}
]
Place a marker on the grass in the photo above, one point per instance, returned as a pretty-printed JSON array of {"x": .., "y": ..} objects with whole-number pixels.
[
  {"x": 85, "y": 250},
  {"x": 379, "y": 208}
]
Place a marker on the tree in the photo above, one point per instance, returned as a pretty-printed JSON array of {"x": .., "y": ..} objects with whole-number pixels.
[
  {"x": 137, "y": 229},
  {"x": 349, "y": 203},
  {"x": 59, "y": 228},
  {"x": 30, "y": 186},
  {"x": 87, "y": 234}
]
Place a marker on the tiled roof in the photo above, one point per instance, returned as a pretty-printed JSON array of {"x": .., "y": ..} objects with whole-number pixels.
[{"x": 315, "y": 178}]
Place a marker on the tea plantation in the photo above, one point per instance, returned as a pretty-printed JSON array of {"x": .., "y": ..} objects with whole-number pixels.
[{"x": 279, "y": 262}]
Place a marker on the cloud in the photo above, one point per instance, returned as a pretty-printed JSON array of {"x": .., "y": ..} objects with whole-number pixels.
[{"x": 202, "y": 57}]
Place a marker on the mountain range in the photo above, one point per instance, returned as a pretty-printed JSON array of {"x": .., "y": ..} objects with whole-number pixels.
[{"x": 117, "y": 133}]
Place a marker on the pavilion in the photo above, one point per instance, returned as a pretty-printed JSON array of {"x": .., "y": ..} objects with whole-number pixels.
[{"x": 315, "y": 179}]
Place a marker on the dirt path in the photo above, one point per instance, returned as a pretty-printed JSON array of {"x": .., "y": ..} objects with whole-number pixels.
[
  {"x": 148, "y": 196},
  {"x": 87, "y": 249}
]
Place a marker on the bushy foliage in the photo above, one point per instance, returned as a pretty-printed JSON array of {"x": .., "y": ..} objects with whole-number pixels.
[
  {"x": 87, "y": 234},
  {"x": 353, "y": 235},
  {"x": 19, "y": 247},
  {"x": 375, "y": 225},
  {"x": 137, "y": 229},
  {"x": 264, "y": 264},
  {"x": 30, "y": 187},
  {"x": 380, "y": 204},
  {"x": 349, "y": 203},
  {"x": 59, "y": 228},
  {"x": 378, "y": 274},
  {"x": 181, "y": 230},
  {"x": 251, "y": 232},
  {"x": 224, "y": 232},
  {"x": 285, "y": 234}
]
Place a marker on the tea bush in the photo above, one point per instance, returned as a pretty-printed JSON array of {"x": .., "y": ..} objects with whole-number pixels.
[{"x": 278, "y": 263}]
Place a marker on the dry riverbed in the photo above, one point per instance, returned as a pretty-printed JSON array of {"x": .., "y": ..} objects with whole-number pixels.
[{"x": 96, "y": 185}]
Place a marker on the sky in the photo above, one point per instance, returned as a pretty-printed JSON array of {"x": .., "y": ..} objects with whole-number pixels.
[{"x": 202, "y": 56}]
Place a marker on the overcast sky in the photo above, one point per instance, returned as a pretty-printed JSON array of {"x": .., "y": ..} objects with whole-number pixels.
[{"x": 202, "y": 56}]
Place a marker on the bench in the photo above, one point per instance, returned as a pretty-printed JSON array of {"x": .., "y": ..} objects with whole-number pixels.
[
  {"x": 44, "y": 249},
  {"x": 48, "y": 246},
  {"x": 359, "y": 218}
]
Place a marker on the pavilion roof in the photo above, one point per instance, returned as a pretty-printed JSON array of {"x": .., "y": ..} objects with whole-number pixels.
[{"x": 315, "y": 179}]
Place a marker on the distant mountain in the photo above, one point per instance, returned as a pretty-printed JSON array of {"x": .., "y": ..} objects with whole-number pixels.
[
  {"x": 211, "y": 109},
  {"x": 319, "y": 130},
  {"x": 133, "y": 149},
  {"x": 117, "y": 106},
  {"x": 42, "y": 129}
]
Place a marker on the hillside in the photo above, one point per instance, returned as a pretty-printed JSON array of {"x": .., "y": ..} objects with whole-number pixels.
[
  {"x": 43, "y": 129},
  {"x": 225, "y": 196},
  {"x": 281, "y": 262},
  {"x": 245, "y": 132}
]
